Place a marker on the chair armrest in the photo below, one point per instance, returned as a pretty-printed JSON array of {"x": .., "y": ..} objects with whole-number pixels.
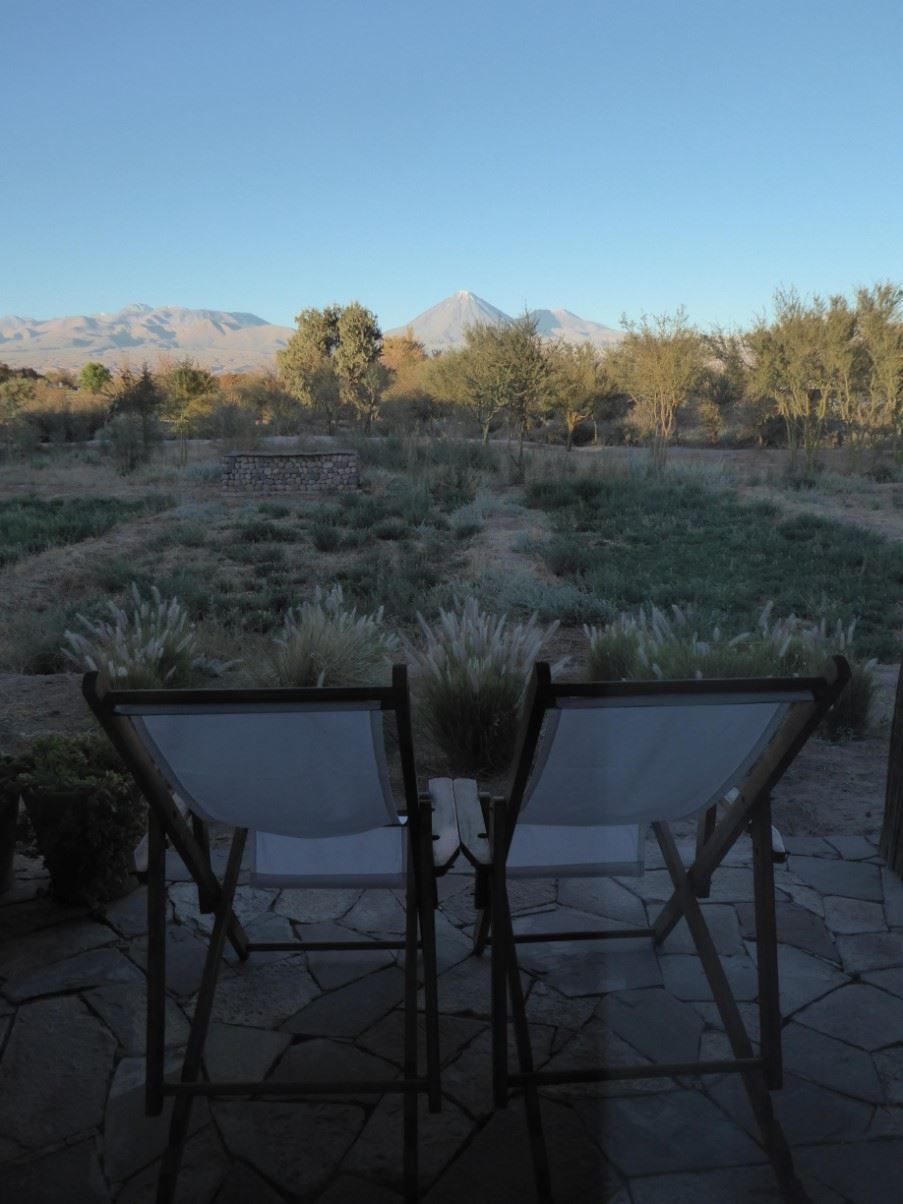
[
  {"x": 471, "y": 822},
  {"x": 441, "y": 801}
]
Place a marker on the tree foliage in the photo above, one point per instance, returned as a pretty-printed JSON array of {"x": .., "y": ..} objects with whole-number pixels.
[{"x": 95, "y": 378}]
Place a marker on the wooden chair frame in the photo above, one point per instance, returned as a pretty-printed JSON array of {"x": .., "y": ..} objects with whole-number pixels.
[
  {"x": 429, "y": 854},
  {"x": 486, "y": 831}
]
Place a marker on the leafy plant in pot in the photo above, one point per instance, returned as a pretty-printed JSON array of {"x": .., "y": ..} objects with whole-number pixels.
[{"x": 87, "y": 816}]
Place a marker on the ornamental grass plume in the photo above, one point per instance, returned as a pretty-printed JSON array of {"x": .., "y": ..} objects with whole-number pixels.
[
  {"x": 146, "y": 645},
  {"x": 326, "y": 642},
  {"x": 652, "y": 644},
  {"x": 472, "y": 670}
]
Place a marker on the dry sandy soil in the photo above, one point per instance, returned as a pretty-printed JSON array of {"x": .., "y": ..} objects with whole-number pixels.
[{"x": 836, "y": 788}]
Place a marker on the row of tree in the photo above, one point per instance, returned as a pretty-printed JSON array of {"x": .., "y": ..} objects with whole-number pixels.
[{"x": 815, "y": 370}]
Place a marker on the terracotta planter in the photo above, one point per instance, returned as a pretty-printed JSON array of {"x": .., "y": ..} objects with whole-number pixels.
[{"x": 82, "y": 871}]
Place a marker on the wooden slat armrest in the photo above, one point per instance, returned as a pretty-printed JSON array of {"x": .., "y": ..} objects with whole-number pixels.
[
  {"x": 445, "y": 827},
  {"x": 471, "y": 822}
]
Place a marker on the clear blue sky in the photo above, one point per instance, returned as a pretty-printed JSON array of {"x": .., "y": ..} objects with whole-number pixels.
[{"x": 606, "y": 157}]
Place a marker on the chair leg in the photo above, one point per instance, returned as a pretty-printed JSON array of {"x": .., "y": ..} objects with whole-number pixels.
[
  {"x": 155, "y": 1041},
  {"x": 481, "y": 903},
  {"x": 538, "y": 1149},
  {"x": 425, "y": 910},
  {"x": 767, "y": 944},
  {"x": 191, "y": 1067},
  {"x": 754, "y": 1081},
  {"x": 499, "y": 956},
  {"x": 409, "y": 1102}
]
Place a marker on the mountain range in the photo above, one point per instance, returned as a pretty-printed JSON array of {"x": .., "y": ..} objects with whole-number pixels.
[{"x": 236, "y": 342}]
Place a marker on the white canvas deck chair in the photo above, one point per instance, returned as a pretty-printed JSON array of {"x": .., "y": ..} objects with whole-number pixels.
[
  {"x": 301, "y": 776},
  {"x": 596, "y": 765}
]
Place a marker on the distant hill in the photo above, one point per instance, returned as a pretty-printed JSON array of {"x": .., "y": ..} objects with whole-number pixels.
[
  {"x": 215, "y": 339},
  {"x": 442, "y": 326}
]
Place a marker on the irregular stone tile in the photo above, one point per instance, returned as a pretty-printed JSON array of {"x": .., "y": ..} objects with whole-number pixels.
[
  {"x": 377, "y": 1153},
  {"x": 54, "y": 1073},
  {"x": 464, "y": 989},
  {"x": 579, "y": 1172},
  {"x": 545, "y": 1005},
  {"x": 244, "y": 1186},
  {"x": 865, "y": 1171},
  {"x": 459, "y": 908},
  {"x": 597, "y": 1045},
  {"x": 335, "y": 968},
  {"x": 721, "y": 919},
  {"x": 889, "y": 1065},
  {"x": 41, "y": 949},
  {"x": 801, "y": 977},
  {"x": 316, "y": 905},
  {"x": 852, "y": 879},
  {"x": 123, "y": 1009},
  {"x": 467, "y": 1079},
  {"x": 806, "y": 1111},
  {"x": 603, "y": 897},
  {"x": 853, "y": 915},
  {"x": 267, "y": 927},
  {"x": 888, "y": 980},
  {"x": 185, "y": 954},
  {"x": 685, "y": 978},
  {"x": 249, "y": 903},
  {"x": 377, "y": 912},
  {"x": 809, "y": 846},
  {"x": 129, "y": 914},
  {"x": 321, "y": 1060},
  {"x": 833, "y": 1064},
  {"x": 265, "y": 997},
  {"x": 132, "y": 1140},
  {"x": 241, "y": 1054},
  {"x": 661, "y": 1027},
  {"x": 871, "y": 951},
  {"x": 859, "y": 1014},
  {"x": 738, "y": 1185},
  {"x": 387, "y": 1037},
  {"x": 95, "y": 967},
  {"x": 348, "y": 1190},
  {"x": 596, "y": 971},
  {"x": 893, "y": 897},
  {"x": 452, "y": 945},
  {"x": 653, "y": 1134},
  {"x": 18, "y": 920},
  {"x": 852, "y": 848},
  {"x": 454, "y": 883},
  {"x": 529, "y": 894},
  {"x": 796, "y": 926},
  {"x": 805, "y": 896},
  {"x": 297, "y": 1146},
  {"x": 52, "y": 1178},
  {"x": 204, "y": 1163},
  {"x": 352, "y": 1008},
  {"x": 749, "y": 1014}
]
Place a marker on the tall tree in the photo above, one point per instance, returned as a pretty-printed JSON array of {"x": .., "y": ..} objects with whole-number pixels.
[
  {"x": 658, "y": 364},
  {"x": 95, "y": 377},
  {"x": 361, "y": 376},
  {"x": 579, "y": 383},
  {"x": 190, "y": 393},
  {"x": 879, "y": 325}
]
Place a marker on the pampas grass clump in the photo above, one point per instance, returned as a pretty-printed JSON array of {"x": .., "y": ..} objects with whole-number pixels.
[
  {"x": 324, "y": 642},
  {"x": 145, "y": 645},
  {"x": 471, "y": 671}
]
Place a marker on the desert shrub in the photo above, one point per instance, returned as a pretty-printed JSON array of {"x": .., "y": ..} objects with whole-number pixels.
[
  {"x": 398, "y": 578},
  {"x": 273, "y": 509},
  {"x": 471, "y": 673},
  {"x": 264, "y": 531},
  {"x": 392, "y": 527},
  {"x": 206, "y": 472},
  {"x": 31, "y": 524},
  {"x": 130, "y": 439},
  {"x": 326, "y": 642},
  {"x": 151, "y": 644},
  {"x": 326, "y": 537}
]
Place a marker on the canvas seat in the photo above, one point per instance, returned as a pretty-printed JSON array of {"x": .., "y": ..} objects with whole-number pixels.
[
  {"x": 597, "y": 766},
  {"x": 301, "y": 777}
]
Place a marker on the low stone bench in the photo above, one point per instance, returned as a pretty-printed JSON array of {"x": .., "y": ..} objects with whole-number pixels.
[{"x": 272, "y": 472}]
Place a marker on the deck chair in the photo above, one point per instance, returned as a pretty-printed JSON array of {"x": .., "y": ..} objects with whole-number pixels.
[
  {"x": 301, "y": 776},
  {"x": 596, "y": 765}
]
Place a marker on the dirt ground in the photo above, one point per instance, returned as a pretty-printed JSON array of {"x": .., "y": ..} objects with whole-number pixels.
[{"x": 836, "y": 788}]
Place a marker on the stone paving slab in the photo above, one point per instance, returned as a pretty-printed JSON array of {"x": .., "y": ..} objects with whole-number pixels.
[{"x": 71, "y": 1029}]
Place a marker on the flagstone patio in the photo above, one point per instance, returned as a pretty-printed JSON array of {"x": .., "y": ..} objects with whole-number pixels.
[{"x": 72, "y": 1126}]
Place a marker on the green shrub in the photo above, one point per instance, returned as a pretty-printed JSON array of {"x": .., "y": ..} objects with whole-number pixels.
[
  {"x": 326, "y": 642},
  {"x": 152, "y": 644},
  {"x": 471, "y": 673},
  {"x": 263, "y": 531},
  {"x": 29, "y": 525},
  {"x": 326, "y": 537},
  {"x": 391, "y": 528}
]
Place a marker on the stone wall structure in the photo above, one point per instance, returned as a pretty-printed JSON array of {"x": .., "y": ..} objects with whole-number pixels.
[{"x": 270, "y": 472}]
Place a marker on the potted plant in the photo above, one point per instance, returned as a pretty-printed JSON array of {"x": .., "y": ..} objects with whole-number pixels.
[{"x": 86, "y": 813}]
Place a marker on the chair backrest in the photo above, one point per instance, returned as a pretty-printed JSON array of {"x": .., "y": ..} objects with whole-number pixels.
[
  {"x": 293, "y": 762},
  {"x": 633, "y": 752}
]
